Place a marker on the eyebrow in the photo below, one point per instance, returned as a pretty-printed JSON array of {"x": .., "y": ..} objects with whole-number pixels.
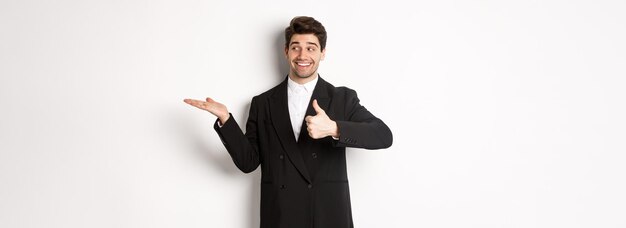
[{"x": 296, "y": 42}]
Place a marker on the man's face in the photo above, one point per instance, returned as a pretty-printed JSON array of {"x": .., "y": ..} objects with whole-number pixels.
[{"x": 304, "y": 55}]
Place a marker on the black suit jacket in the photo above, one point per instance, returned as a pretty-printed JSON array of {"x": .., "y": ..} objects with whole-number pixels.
[{"x": 304, "y": 184}]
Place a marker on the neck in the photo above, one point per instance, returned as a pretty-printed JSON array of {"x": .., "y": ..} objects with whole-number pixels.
[{"x": 302, "y": 81}]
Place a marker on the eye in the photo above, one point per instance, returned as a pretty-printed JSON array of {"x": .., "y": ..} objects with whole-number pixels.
[
  {"x": 295, "y": 48},
  {"x": 311, "y": 49}
]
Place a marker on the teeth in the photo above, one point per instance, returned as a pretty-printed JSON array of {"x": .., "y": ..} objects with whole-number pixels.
[{"x": 304, "y": 64}]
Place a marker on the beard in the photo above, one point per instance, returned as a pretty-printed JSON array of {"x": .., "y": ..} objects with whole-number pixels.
[{"x": 303, "y": 75}]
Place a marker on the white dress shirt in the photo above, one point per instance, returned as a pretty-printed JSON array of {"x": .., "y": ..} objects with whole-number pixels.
[{"x": 298, "y": 97}]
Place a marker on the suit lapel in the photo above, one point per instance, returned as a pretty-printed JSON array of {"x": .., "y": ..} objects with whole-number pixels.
[
  {"x": 323, "y": 100},
  {"x": 279, "y": 112}
]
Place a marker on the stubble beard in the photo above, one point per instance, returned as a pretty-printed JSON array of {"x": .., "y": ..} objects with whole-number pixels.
[{"x": 303, "y": 76}]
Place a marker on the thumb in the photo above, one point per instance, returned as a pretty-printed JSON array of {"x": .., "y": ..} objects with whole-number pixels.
[{"x": 317, "y": 108}]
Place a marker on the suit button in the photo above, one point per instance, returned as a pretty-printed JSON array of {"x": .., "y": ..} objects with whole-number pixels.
[
  {"x": 310, "y": 186},
  {"x": 281, "y": 157},
  {"x": 314, "y": 155},
  {"x": 283, "y": 186}
]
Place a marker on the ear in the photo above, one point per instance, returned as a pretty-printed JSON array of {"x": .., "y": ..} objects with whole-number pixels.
[
  {"x": 287, "y": 52},
  {"x": 323, "y": 54}
]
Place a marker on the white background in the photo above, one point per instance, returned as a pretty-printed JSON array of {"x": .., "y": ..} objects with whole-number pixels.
[{"x": 504, "y": 113}]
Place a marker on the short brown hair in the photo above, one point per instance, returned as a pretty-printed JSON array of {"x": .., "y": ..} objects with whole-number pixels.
[{"x": 306, "y": 25}]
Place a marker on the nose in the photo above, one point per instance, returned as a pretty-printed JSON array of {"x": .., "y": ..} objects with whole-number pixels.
[{"x": 300, "y": 54}]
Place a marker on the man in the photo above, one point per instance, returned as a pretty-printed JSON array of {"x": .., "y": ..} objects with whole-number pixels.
[{"x": 304, "y": 181}]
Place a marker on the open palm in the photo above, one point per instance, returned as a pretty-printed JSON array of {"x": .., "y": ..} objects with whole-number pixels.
[{"x": 212, "y": 106}]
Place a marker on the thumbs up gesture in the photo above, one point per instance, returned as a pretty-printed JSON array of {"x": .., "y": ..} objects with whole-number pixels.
[{"x": 320, "y": 125}]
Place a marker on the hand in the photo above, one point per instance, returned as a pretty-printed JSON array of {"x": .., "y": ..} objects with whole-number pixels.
[
  {"x": 320, "y": 125},
  {"x": 214, "y": 107}
]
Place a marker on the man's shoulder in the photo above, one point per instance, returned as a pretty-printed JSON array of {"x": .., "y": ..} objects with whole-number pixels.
[
  {"x": 344, "y": 91},
  {"x": 277, "y": 90},
  {"x": 270, "y": 92},
  {"x": 336, "y": 90}
]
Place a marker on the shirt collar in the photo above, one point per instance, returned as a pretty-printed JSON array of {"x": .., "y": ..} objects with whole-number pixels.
[{"x": 309, "y": 86}]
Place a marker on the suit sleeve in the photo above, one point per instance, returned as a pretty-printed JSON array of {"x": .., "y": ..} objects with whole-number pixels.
[
  {"x": 243, "y": 148},
  {"x": 361, "y": 129}
]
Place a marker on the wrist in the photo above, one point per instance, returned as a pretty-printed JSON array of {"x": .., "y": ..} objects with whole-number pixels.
[
  {"x": 224, "y": 118},
  {"x": 334, "y": 132}
]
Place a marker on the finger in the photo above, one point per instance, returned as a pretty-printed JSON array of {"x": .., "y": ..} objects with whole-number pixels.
[
  {"x": 307, "y": 119},
  {"x": 317, "y": 108},
  {"x": 208, "y": 99},
  {"x": 196, "y": 103},
  {"x": 191, "y": 101}
]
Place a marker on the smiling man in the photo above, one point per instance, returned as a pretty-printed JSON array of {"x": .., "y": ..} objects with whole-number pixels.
[{"x": 298, "y": 132}]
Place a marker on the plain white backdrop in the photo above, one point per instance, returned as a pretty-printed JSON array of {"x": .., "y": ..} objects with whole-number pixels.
[{"x": 504, "y": 113}]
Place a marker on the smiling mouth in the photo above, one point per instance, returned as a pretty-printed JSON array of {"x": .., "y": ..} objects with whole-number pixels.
[{"x": 303, "y": 64}]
